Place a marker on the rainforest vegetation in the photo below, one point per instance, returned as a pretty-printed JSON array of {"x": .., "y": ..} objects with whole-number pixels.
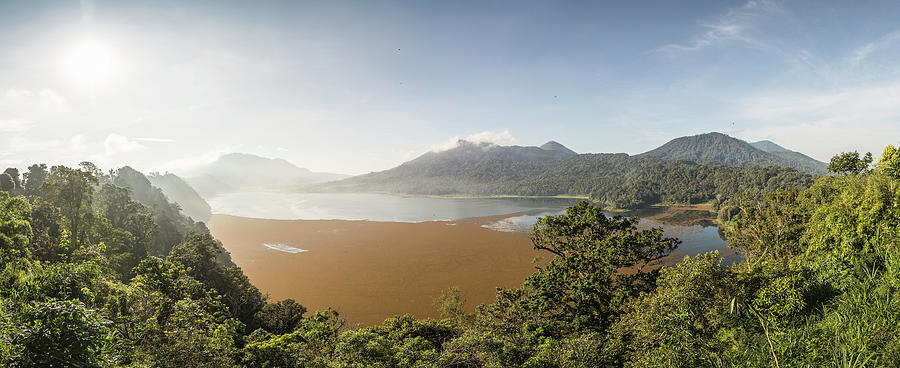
[{"x": 100, "y": 270}]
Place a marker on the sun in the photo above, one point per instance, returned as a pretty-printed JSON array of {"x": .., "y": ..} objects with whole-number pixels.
[{"x": 90, "y": 62}]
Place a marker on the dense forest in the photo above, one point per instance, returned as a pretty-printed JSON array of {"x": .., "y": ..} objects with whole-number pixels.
[
  {"x": 614, "y": 180},
  {"x": 694, "y": 169},
  {"x": 721, "y": 149},
  {"x": 100, "y": 270}
]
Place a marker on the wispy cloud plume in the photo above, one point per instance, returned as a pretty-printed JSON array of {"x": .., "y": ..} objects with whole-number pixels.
[
  {"x": 503, "y": 138},
  {"x": 730, "y": 27},
  {"x": 863, "y": 52}
]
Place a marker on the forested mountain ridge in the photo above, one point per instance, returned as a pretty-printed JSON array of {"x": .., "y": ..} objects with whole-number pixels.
[
  {"x": 721, "y": 149},
  {"x": 617, "y": 180},
  {"x": 243, "y": 172},
  {"x": 180, "y": 192},
  {"x": 768, "y": 146}
]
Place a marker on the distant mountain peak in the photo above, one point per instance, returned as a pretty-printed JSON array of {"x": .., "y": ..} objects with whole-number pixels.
[
  {"x": 556, "y": 146},
  {"x": 237, "y": 172},
  {"x": 720, "y": 149},
  {"x": 769, "y": 146}
]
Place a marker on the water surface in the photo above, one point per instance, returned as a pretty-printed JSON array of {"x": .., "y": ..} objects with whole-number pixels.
[{"x": 372, "y": 207}]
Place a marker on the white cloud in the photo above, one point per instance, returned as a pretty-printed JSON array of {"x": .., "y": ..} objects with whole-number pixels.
[
  {"x": 503, "y": 138},
  {"x": 41, "y": 98},
  {"x": 15, "y": 125},
  {"x": 116, "y": 144},
  {"x": 155, "y": 140},
  {"x": 53, "y": 151}
]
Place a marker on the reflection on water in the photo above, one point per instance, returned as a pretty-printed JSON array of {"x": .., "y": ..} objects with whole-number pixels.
[
  {"x": 284, "y": 248},
  {"x": 522, "y": 223},
  {"x": 373, "y": 207}
]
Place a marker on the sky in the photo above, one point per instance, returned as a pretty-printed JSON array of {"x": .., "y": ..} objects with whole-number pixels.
[{"x": 353, "y": 87}]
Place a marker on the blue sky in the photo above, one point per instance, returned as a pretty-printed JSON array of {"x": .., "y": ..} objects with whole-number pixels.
[{"x": 354, "y": 87}]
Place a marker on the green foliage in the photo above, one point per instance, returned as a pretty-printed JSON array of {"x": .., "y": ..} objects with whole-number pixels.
[
  {"x": 6, "y": 183},
  {"x": 889, "y": 163},
  {"x": 15, "y": 230},
  {"x": 850, "y": 163},
  {"x": 59, "y": 333},
  {"x": 199, "y": 255},
  {"x": 682, "y": 323},
  {"x": 582, "y": 285},
  {"x": 769, "y": 229},
  {"x": 14, "y": 175},
  {"x": 281, "y": 317},
  {"x": 34, "y": 178},
  {"x": 72, "y": 191}
]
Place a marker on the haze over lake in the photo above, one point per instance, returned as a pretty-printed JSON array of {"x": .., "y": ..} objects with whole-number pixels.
[
  {"x": 524, "y": 212},
  {"x": 373, "y": 207}
]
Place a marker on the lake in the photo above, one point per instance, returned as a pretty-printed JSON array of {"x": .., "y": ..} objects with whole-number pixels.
[
  {"x": 373, "y": 207},
  {"x": 316, "y": 248},
  {"x": 394, "y": 208}
]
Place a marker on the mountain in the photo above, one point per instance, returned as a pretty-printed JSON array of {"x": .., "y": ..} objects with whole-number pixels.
[
  {"x": 614, "y": 179},
  {"x": 172, "y": 224},
  {"x": 802, "y": 161},
  {"x": 178, "y": 191},
  {"x": 242, "y": 172},
  {"x": 555, "y": 146},
  {"x": 457, "y": 170},
  {"x": 769, "y": 146},
  {"x": 720, "y": 149}
]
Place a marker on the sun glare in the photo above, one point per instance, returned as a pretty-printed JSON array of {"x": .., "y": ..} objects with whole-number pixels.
[{"x": 90, "y": 62}]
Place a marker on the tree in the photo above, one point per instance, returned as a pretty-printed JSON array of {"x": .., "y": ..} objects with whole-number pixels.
[
  {"x": 91, "y": 168},
  {"x": 34, "y": 178},
  {"x": 199, "y": 255},
  {"x": 6, "y": 183},
  {"x": 584, "y": 284},
  {"x": 15, "y": 231},
  {"x": 677, "y": 325},
  {"x": 767, "y": 228},
  {"x": 14, "y": 174},
  {"x": 72, "y": 191},
  {"x": 60, "y": 333},
  {"x": 848, "y": 163},
  {"x": 889, "y": 163},
  {"x": 49, "y": 242},
  {"x": 281, "y": 317}
]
